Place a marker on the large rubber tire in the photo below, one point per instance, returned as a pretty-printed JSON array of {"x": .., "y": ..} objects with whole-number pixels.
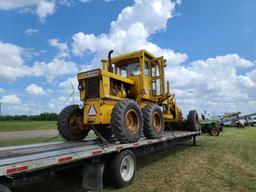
[
  {"x": 153, "y": 121},
  {"x": 63, "y": 123},
  {"x": 193, "y": 121},
  {"x": 214, "y": 131},
  {"x": 122, "y": 169},
  {"x": 119, "y": 121}
]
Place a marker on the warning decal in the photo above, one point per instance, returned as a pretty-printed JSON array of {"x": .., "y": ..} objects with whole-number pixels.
[{"x": 92, "y": 111}]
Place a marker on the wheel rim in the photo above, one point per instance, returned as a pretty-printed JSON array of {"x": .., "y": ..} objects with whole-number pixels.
[
  {"x": 76, "y": 123},
  {"x": 214, "y": 133},
  {"x": 127, "y": 168},
  {"x": 132, "y": 121},
  {"x": 156, "y": 122}
]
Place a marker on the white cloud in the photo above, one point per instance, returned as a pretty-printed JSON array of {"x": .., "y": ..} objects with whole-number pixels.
[
  {"x": 63, "y": 48},
  {"x": 34, "y": 89},
  {"x": 44, "y": 9},
  {"x": 67, "y": 85},
  {"x": 31, "y": 31},
  {"x": 131, "y": 31},
  {"x": 12, "y": 64},
  {"x": 10, "y": 99},
  {"x": 55, "y": 68},
  {"x": 15, "y": 4},
  {"x": 214, "y": 84}
]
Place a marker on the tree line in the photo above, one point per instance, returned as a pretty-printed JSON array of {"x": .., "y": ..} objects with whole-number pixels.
[{"x": 41, "y": 117}]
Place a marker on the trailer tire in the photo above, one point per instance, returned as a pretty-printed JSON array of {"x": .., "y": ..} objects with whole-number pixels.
[
  {"x": 64, "y": 123},
  {"x": 127, "y": 121},
  {"x": 122, "y": 169},
  {"x": 153, "y": 121},
  {"x": 3, "y": 188},
  {"x": 193, "y": 121}
]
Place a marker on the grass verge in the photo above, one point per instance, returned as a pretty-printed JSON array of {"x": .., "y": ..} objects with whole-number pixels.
[{"x": 26, "y": 125}]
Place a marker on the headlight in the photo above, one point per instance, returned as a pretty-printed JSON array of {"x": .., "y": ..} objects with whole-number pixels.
[{"x": 80, "y": 87}]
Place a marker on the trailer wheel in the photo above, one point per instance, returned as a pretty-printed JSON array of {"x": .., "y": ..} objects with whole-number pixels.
[
  {"x": 153, "y": 121},
  {"x": 122, "y": 169},
  {"x": 127, "y": 121},
  {"x": 193, "y": 121},
  {"x": 70, "y": 123},
  {"x": 3, "y": 188}
]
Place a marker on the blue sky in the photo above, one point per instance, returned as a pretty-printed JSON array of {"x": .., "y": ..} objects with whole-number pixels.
[{"x": 210, "y": 47}]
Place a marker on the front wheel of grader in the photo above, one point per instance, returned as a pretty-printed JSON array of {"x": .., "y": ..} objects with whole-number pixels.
[
  {"x": 70, "y": 123},
  {"x": 127, "y": 121}
]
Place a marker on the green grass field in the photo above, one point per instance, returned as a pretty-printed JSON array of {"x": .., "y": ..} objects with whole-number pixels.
[
  {"x": 224, "y": 163},
  {"x": 26, "y": 125}
]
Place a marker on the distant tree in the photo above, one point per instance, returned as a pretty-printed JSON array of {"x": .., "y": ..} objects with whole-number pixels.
[{"x": 41, "y": 117}]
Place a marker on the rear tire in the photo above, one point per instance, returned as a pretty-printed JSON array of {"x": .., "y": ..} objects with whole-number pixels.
[
  {"x": 71, "y": 130},
  {"x": 214, "y": 132},
  {"x": 153, "y": 121},
  {"x": 193, "y": 121},
  {"x": 122, "y": 169},
  {"x": 127, "y": 121}
]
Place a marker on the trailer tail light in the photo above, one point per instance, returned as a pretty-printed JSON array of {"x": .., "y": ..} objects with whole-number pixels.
[
  {"x": 16, "y": 170},
  {"x": 97, "y": 152},
  {"x": 136, "y": 144},
  {"x": 64, "y": 159},
  {"x": 119, "y": 147}
]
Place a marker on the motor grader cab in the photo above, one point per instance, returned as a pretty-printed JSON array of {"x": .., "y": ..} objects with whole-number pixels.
[{"x": 126, "y": 97}]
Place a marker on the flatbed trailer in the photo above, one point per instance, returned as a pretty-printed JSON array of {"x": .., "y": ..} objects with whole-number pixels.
[{"x": 25, "y": 162}]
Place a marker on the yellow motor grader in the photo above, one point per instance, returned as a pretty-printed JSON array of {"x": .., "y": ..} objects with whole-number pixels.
[{"x": 127, "y": 97}]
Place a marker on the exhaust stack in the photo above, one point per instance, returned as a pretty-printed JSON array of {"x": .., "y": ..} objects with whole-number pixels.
[{"x": 110, "y": 69}]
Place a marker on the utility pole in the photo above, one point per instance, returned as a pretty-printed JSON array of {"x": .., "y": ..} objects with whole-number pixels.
[{"x": 0, "y": 109}]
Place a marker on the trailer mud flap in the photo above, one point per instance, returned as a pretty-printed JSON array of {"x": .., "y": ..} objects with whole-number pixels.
[{"x": 93, "y": 176}]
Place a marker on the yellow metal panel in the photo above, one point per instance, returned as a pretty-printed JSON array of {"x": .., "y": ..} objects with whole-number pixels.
[
  {"x": 168, "y": 116},
  {"x": 92, "y": 118},
  {"x": 106, "y": 86},
  {"x": 137, "y": 84},
  {"x": 147, "y": 87},
  {"x": 117, "y": 77},
  {"x": 106, "y": 111},
  {"x": 88, "y": 74},
  {"x": 103, "y": 112}
]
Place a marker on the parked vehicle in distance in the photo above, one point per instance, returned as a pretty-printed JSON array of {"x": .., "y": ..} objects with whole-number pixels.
[
  {"x": 213, "y": 127},
  {"x": 250, "y": 121},
  {"x": 236, "y": 123}
]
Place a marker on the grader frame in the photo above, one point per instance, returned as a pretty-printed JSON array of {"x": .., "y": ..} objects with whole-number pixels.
[{"x": 127, "y": 96}]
